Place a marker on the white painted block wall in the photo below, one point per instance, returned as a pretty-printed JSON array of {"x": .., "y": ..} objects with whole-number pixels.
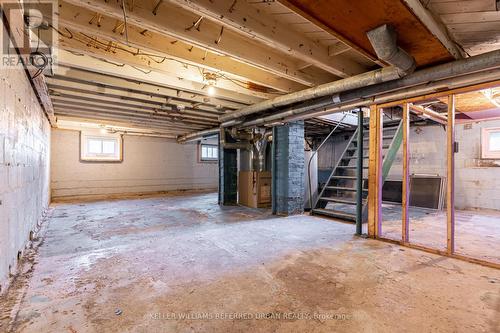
[
  {"x": 476, "y": 186},
  {"x": 24, "y": 165},
  {"x": 149, "y": 165}
]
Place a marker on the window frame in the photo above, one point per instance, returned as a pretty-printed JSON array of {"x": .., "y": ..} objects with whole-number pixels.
[
  {"x": 85, "y": 156},
  {"x": 207, "y": 160},
  {"x": 486, "y": 152}
]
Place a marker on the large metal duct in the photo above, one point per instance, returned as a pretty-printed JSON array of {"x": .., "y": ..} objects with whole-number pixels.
[{"x": 384, "y": 41}]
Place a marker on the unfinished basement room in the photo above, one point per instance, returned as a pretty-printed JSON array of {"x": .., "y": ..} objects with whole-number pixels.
[{"x": 250, "y": 166}]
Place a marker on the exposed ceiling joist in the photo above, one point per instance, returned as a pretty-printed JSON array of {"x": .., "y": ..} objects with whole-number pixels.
[
  {"x": 82, "y": 110},
  {"x": 178, "y": 23},
  {"x": 249, "y": 21},
  {"x": 199, "y": 118},
  {"x": 75, "y": 123},
  {"x": 186, "y": 108},
  {"x": 83, "y": 20},
  {"x": 146, "y": 126},
  {"x": 68, "y": 59},
  {"x": 435, "y": 27},
  {"x": 173, "y": 72},
  {"x": 80, "y": 80},
  {"x": 338, "y": 48}
]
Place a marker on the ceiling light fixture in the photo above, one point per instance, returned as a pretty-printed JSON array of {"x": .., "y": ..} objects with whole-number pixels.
[
  {"x": 211, "y": 81},
  {"x": 211, "y": 90}
]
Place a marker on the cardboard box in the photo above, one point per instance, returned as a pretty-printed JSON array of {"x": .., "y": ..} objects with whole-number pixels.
[{"x": 254, "y": 189}]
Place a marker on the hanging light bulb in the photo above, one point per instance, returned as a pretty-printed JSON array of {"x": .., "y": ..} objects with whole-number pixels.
[
  {"x": 211, "y": 90},
  {"x": 211, "y": 81}
]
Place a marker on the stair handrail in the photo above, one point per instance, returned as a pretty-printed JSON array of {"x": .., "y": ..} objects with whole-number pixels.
[
  {"x": 314, "y": 154},
  {"x": 336, "y": 165}
]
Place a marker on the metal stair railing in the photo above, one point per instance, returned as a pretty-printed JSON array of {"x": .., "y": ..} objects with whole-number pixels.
[
  {"x": 314, "y": 154},
  {"x": 334, "y": 169}
]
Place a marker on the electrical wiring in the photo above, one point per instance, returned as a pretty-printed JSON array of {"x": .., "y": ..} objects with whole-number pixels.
[{"x": 91, "y": 41}]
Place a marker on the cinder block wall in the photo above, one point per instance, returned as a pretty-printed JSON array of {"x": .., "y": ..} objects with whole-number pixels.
[
  {"x": 24, "y": 166},
  {"x": 149, "y": 165},
  {"x": 476, "y": 184}
]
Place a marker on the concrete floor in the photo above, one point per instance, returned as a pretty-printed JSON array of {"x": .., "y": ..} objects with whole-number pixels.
[
  {"x": 143, "y": 264},
  {"x": 477, "y": 232}
]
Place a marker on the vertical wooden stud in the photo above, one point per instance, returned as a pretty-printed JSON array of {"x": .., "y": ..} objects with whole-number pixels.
[
  {"x": 450, "y": 191},
  {"x": 375, "y": 174},
  {"x": 406, "y": 173}
]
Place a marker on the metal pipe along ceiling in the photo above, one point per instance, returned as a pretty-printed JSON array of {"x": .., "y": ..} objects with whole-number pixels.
[
  {"x": 376, "y": 81},
  {"x": 484, "y": 66}
]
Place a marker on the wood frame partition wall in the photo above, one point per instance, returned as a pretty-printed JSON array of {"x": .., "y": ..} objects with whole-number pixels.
[{"x": 375, "y": 181}]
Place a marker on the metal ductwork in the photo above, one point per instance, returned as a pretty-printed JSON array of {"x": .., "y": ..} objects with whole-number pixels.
[
  {"x": 245, "y": 145},
  {"x": 327, "y": 89},
  {"x": 384, "y": 42},
  {"x": 456, "y": 74},
  {"x": 198, "y": 135}
]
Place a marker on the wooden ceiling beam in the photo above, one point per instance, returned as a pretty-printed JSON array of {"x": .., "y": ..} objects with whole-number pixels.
[
  {"x": 252, "y": 23},
  {"x": 137, "y": 109},
  {"x": 173, "y": 72},
  {"x": 81, "y": 19},
  {"x": 112, "y": 121},
  {"x": 71, "y": 60},
  {"x": 177, "y": 23},
  {"x": 73, "y": 79},
  {"x": 61, "y": 107},
  {"x": 436, "y": 27},
  {"x": 140, "y": 103}
]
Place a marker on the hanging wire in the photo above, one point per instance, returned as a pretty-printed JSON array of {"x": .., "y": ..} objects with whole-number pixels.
[{"x": 91, "y": 41}]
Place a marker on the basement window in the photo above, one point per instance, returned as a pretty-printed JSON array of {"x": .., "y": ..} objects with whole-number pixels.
[
  {"x": 490, "y": 146},
  {"x": 100, "y": 147},
  {"x": 209, "y": 153}
]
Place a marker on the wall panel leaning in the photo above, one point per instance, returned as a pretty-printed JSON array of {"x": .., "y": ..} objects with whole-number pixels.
[
  {"x": 149, "y": 164},
  {"x": 24, "y": 166}
]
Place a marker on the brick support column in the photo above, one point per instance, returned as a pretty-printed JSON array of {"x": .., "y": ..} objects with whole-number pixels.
[
  {"x": 228, "y": 176},
  {"x": 288, "y": 177}
]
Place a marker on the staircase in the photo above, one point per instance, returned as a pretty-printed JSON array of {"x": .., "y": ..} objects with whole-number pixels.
[{"x": 338, "y": 197}]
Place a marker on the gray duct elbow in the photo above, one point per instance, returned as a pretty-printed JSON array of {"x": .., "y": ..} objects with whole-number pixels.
[{"x": 384, "y": 42}]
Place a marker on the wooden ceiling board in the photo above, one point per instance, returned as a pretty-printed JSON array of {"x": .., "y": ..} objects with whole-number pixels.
[
  {"x": 471, "y": 102},
  {"x": 350, "y": 20},
  {"x": 473, "y": 24},
  {"x": 461, "y": 6}
]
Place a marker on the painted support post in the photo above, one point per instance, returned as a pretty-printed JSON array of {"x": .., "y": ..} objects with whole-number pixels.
[
  {"x": 228, "y": 176},
  {"x": 359, "y": 171},
  {"x": 406, "y": 173},
  {"x": 289, "y": 169},
  {"x": 450, "y": 198},
  {"x": 273, "y": 173}
]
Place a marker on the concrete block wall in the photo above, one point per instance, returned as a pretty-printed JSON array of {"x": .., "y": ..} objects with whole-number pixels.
[
  {"x": 289, "y": 177},
  {"x": 24, "y": 166},
  {"x": 149, "y": 165},
  {"x": 477, "y": 183}
]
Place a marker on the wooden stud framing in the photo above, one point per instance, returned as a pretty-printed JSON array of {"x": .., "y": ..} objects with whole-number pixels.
[
  {"x": 406, "y": 174},
  {"x": 450, "y": 199},
  {"x": 375, "y": 173}
]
